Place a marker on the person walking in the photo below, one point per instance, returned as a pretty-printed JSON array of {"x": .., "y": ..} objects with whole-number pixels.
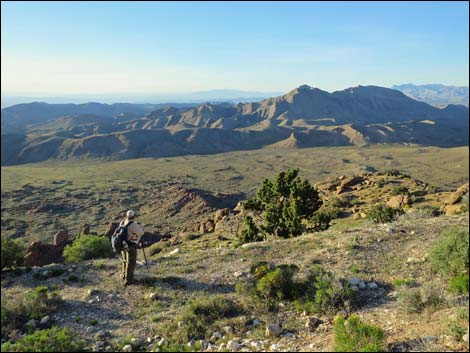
[{"x": 129, "y": 251}]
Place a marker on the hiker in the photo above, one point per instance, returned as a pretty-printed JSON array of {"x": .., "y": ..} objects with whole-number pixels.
[{"x": 129, "y": 250}]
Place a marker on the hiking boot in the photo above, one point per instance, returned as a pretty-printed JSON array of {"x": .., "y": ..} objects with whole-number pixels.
[{"x": 130, "y": 282}]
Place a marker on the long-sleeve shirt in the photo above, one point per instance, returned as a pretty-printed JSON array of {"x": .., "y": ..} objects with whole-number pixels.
[{"x": 134, "y": 231}]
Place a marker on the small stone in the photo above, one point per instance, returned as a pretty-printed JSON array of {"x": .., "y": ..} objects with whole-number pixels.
[
  {"x": 174, "y": 252},
  {"x": 44, "y": 320},
  {"x": 92, "y": 292},
  {"x": 372, "y": 285},
  {"x": 202, "y": 343},
  {"x": 46, "y": 273},
  {"x": 274, "y": 347},
  {"x": 361, "y": 285},
  {"x": 101, "y": 335},
  {"x": 273, "y": 330},
  {"x": 161, "y": 342},
  {"x": 256, "y": 322},
  {"x": 217, "y": 335},
  {"x": 412, "y": 232},
  {"x": 149, "y": 340},
  {"x": 312, "y": 324},
  {"x": 233, "y": 345},
  {"x": 389, "y": 230},
  {"x": 127, "y": 348},
  {"x": 30, "y": 325},
  {"x": 136, "y": 341},
  {"x": 354, "y": 281},
  {"x": 257, "y": 344},
  {"x": 153, "y": 296},
  {"x": 108, "y": 349},
  {"x": 70, "y": 269},
  {"x": 239, "y": 274},
  {"x": 228, "y": 329}
]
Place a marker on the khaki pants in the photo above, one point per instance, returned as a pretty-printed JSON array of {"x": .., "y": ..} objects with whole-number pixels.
[{"x": 129, "y": 259}]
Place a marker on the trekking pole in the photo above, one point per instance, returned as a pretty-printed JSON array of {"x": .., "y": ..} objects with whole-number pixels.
[{"x": 145, "y": 257}]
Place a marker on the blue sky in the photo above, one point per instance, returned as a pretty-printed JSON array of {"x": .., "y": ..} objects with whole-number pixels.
[{"x": 158, "y": 47}]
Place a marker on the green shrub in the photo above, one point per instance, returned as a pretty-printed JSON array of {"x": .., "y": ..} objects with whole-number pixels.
[
  {"x": 380, "y": 213},
  {"x": 73, "y": 278},
  {"x": 324, "y": 293},
  {"x": 408, "y": 282},
  {"x": 449, "y": 255},
  {"x": 35, "y": 304},
  {"x": 320, "y": 221},
  {"x": 88, "y": 247},
  {"x": 459, "y": 284},
  {"x": 12, "y": 252},
  {"x": 278, "y": 284},
  {"x": 200, "y": 315},
  {"x": 50, "y": 340},
  {"x": 320, "y": 291},
  {"x": 399, "y": 190},
  {"x": 250, "y": 233},
  {"x": 284, "y": 203},
  {"x": 416, "y": 300},
  {"x": 353, "y": 335}
]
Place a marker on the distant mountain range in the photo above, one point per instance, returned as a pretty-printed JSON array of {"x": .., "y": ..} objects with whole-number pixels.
[
  {"x": 304, "y": 117},
  {"x": 216, "y": 95},
  {"x": 437, "y": 95}
]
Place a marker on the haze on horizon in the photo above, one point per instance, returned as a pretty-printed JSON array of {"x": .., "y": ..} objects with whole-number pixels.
[{"x": 145, "y": 48}]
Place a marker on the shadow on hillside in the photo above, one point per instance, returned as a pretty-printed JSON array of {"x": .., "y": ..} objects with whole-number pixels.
[
  {"x": 420, "y": 344},
  {"x": 88, "y": 312},
  {"x": 173, "y": 282}
]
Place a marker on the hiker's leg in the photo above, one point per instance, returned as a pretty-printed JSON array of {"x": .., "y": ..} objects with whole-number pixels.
[
  {"x": 125, "y": 260},
  {"x": 132, "y": 259}
]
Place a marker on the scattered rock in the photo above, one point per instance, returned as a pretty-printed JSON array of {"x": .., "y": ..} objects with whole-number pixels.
[
  {"x": 312, "y": 324},
  {"x": 216, "y": 335},
  {"x": 136, "y": 342},
  {"x": 228, "y": 329},
  {"x": 127, "y": 348},
  {"x": 233, "y": 345},
  {"x": 162, "y": 341},
  {"x": 174, "y": 252},
  {"x": 91, "y": 292},
  {"x": 273, "y": 330},
  {"x": 30, "y": 325},
  {"x": 257, "y": 344},
  {"x": 153, "y": 296},
  {"x": 398, "y": 201},
  {"x": 256, "y": 322},
  {"x": 44, "y": 320},
  {"x": 372, "y": 285}
]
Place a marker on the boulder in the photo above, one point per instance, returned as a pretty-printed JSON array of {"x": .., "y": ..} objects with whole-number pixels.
[
  {"x": 312, "y": 324},
  {"x": 219, "y": 214},
  {"x": 239, "y": 208},
  {"x": 111, "y": 228},
  {"x": 456, "y": 196},
  {"x": 61, "y": 237},
  {"x": 398, "y": 201},
  {"x": 273, "y": 330},
  {"x": 40, "y": 254}
]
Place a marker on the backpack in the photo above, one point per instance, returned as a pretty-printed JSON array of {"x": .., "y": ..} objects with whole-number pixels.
[{"x": 119, "y": 238}]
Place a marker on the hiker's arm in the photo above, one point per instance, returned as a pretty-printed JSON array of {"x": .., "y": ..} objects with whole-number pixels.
[{"x": 137, "y": 232}]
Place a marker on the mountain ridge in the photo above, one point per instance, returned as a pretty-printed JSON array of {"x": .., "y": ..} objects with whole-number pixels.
[{"x": 353, "y": 116}]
